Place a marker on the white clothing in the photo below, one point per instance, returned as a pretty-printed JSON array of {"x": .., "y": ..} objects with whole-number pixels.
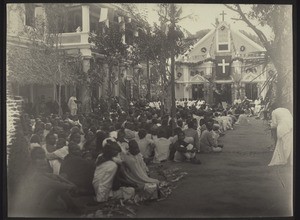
[
  {"x": 33, "y": 145},
  {"x": 243, "y": 120},
  {"x": 56, "y": 163},
  {"x": 283, "y": 121},
  {"x": 72, "y": 105},
  {"x": 161, "y": 149},
  {"x": 103, "y": 181}
]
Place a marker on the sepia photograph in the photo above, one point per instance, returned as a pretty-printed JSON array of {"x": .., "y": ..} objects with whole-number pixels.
[{"x": 149, "y": 110}]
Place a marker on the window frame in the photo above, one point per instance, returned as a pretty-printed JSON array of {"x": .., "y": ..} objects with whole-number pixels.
[{"x": 222, "y": 42}]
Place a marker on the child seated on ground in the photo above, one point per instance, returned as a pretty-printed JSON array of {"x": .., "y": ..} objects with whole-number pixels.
[{"x": 184, "y": 150}]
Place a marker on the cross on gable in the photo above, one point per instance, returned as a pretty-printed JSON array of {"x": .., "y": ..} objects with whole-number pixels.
[
  {"x": 223, "y": 64},
  {"x": 223, "y": 13}
]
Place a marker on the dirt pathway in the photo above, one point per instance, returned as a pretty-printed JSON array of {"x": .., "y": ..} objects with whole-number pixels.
[{"x": 234, "y": 183}]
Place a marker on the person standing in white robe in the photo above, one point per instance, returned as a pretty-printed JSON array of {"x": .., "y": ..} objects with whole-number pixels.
[
  {"x": 257, "y": 107},
  {"x": 73, "y": 105},
  {"x": 282, "y": 120}
]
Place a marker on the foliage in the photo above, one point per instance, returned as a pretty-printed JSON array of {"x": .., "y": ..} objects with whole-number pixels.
[
  {"x": 42, "y": 61},
  {"x": 108, "y": 41},
  {"x": 252, "y": 37},
  {"x": 34, "y": 65},
  {"x": 278, "y": 46}
]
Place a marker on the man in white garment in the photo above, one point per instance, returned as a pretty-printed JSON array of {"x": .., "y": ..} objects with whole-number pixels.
[
  {"x": 257, "y": 107},
  {"x": 73, "y": 105},
  {"x": 282, "y": 121}
]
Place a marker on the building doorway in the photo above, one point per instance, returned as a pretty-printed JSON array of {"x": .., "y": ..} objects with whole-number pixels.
[
  {"x": 197, "y": 91},
  {"x": 223, "y": 93},
  {"x": 251, "y": 91}
]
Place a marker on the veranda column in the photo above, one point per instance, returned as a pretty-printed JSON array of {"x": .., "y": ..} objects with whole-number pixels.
[
  {"x": 208, "y": 75},
  {"x": 242, "y": 90},
  {"x": 185, "y": 79},
  {"x": 237, "y": 75},
  {"x": 85, "y": 93},
  {"x": 85, "y": 18}
]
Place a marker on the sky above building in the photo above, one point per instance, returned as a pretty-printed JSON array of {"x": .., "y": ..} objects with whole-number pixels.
[{"x": 204, "y": 16}]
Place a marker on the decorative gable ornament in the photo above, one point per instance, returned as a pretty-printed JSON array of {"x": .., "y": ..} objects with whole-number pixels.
[
  {"x": 250, "y": 77},
  {"x": 251, "y": 70},
  {"x": 203, "y": 49},
  {"x": 198, "y": 79}
]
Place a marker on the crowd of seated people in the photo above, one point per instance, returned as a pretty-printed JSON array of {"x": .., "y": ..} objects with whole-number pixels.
[{"x": 105, "y": 155}]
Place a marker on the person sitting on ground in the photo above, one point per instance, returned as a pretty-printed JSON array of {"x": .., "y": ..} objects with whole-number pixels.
[
  {"x": 192, "y": 132},
  {"x": 136, "y": 172},
  {"x": 50, "y": 145},
  {"x": 48, "y": 127},
  {"x": 227, "y": 121},
  {"x": 242, "y": 120},
  {"x": 76, "y": 138},
  {"x": 90, "y": 143},
  {"x": 129, "y": 131},
  {"x": 207, "y": 142},
  {"x": 165, "y": 127},
  {"x": 173, "y": 141},
  {"x": 78, "y": 170},
  {"x": 216, "y": 133},
  {"x": 100, "y": 137},
  {"x": 233, "y": 118},
  {"x": 137, "y": 169},
  {"x": 42, "y": 192},
  {"x": 55, "y": 151},
  {"x": 106, "y": 169},
  {"x": 39, "y": 130},
  {"x": 34, "y": 141},
  {"x": 184, "y": 150},
  {"x": 162, "y": 147},
  {"x": 122, "y": 141},
  {"x": 146, "y": 145}
]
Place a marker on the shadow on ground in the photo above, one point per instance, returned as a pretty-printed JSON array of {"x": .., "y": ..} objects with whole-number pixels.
[{"x": 234, "y": 183}]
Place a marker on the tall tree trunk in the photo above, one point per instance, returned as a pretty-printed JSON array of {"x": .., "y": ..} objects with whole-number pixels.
[
  {"x": 85, "y": 90},
  {"x": 173, "y": 107},
  {"x": 59, "y": 92},
  {"x": 148, "y": 81}
]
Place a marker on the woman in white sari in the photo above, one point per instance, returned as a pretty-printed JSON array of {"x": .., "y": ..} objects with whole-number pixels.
[
  {"x": 107, "y": 166},
  {"x": 282, "y": 121}
]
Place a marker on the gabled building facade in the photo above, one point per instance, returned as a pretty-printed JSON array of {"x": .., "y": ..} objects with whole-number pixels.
[{"x": 223, "y": 66}]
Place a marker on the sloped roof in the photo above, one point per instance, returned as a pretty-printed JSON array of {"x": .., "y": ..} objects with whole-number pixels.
[
  {"x": 240, "y": 39},
  {"x": 196, "y": 54}
]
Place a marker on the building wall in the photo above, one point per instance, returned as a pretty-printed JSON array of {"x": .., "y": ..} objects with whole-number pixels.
[
  {"x": 179, "y": 91},
  {"x": 15, "y": 18}
]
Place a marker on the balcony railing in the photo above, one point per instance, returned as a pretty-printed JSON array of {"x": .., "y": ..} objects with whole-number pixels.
[{"x": 74, "y": 38}]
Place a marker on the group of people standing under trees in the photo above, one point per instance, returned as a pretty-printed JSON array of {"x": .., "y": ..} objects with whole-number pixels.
[{"x": 106, "y": 154}]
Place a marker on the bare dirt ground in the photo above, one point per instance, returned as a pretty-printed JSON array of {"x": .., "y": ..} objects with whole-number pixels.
[{"x": 234, "y": 183}]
